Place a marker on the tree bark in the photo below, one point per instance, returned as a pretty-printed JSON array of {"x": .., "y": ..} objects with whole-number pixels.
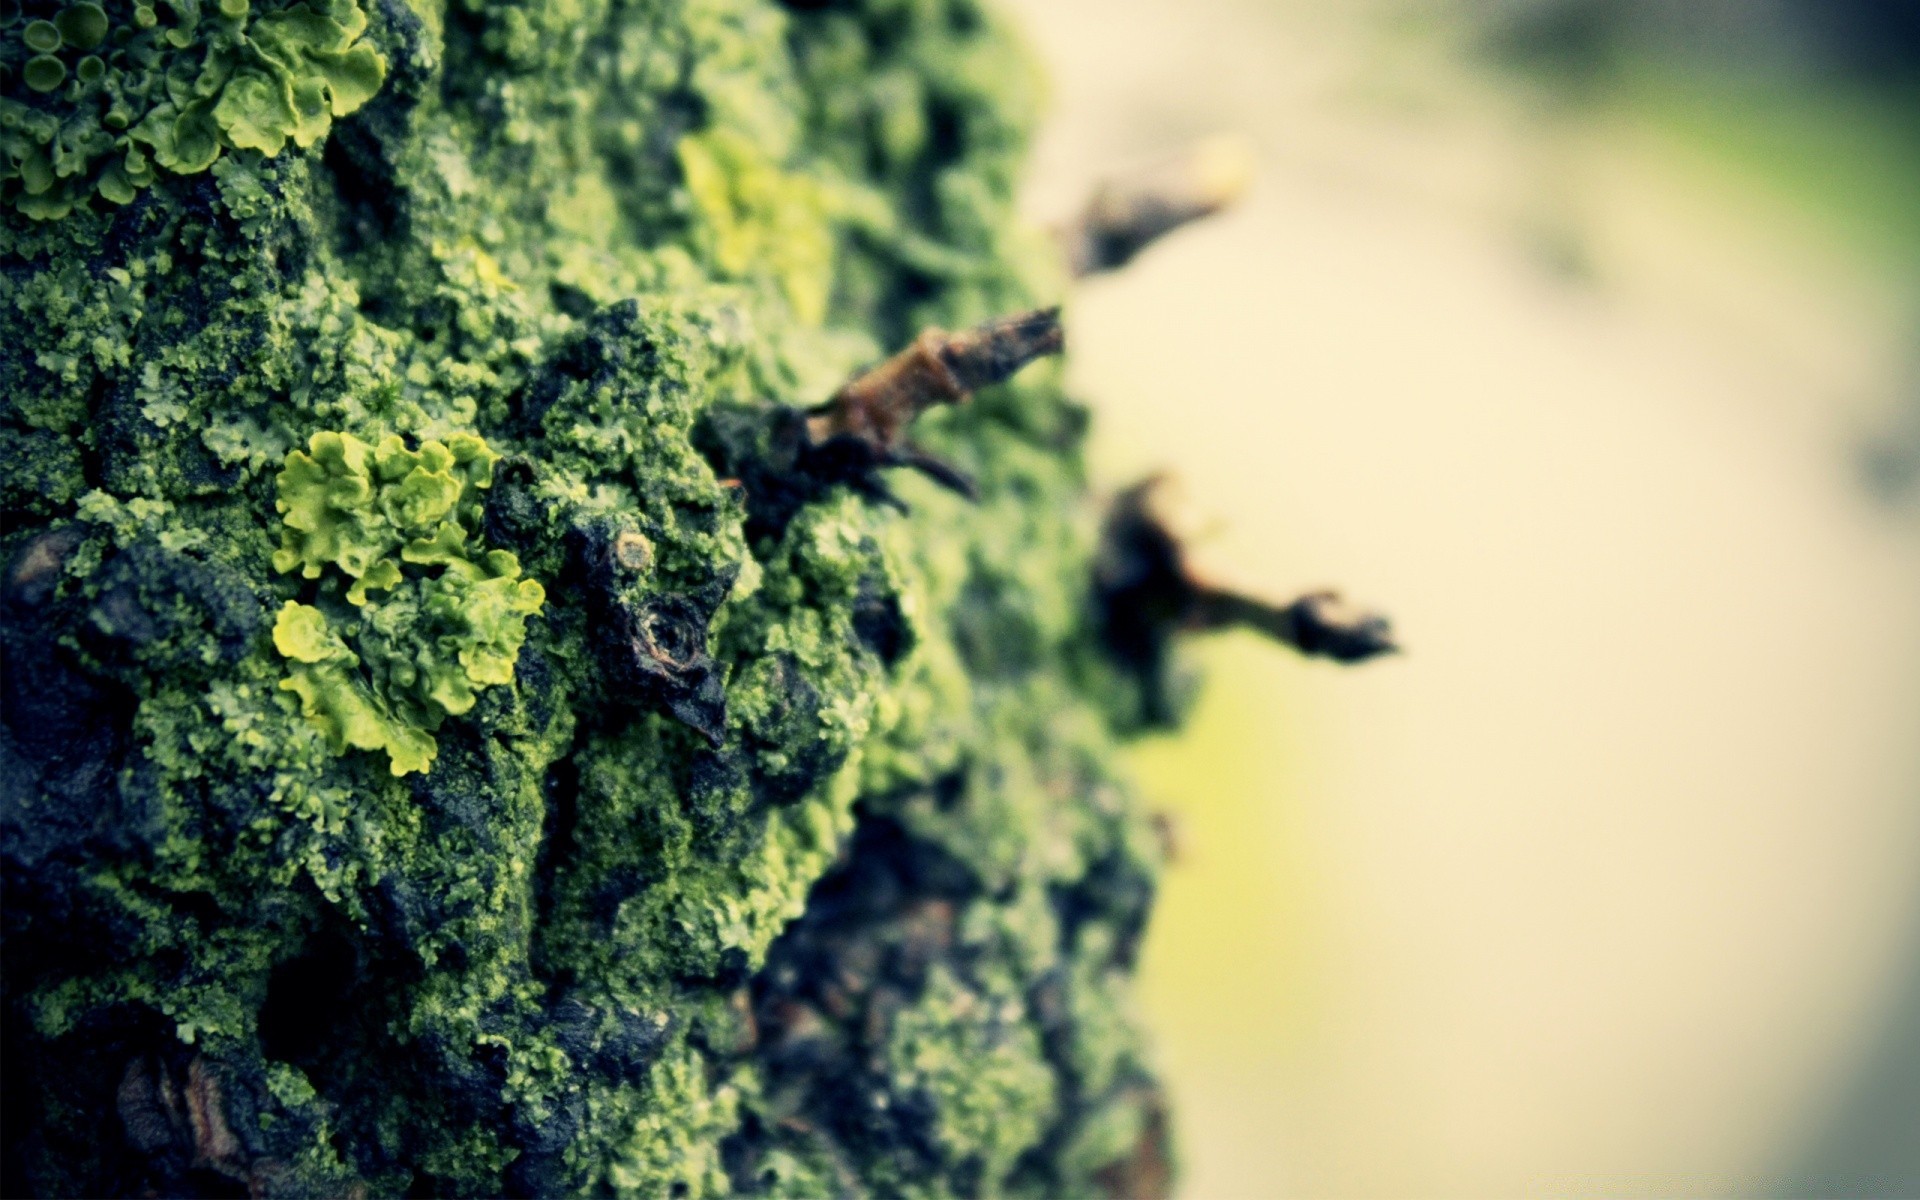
[{"x": 453, "y": 745}]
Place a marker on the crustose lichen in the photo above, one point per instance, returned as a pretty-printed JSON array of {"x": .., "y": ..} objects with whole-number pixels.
[{"x": 382, "y": 672}]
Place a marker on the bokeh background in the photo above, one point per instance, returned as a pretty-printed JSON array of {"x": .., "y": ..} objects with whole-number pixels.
[{"x": 1581, "y": 335}]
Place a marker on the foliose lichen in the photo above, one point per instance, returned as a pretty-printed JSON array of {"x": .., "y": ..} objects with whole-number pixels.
[
  {"x": 417, "y": 760},
  {"x": 99, "y": 96},
  {"x": 384, "y": 671}
]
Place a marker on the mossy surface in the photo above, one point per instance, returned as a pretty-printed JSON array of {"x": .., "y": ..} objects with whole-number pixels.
[{"x": 408, "y": 756}]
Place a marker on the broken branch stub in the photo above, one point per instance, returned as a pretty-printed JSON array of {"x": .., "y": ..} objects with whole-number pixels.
[
  {"x": 1319, "y": 624},
  {"x": 877, "y": 406},
  {"x": 652, "y": 643},
  {"x": 785, "y": 458},
  {"x": 1126, "y": 215},
  {"x": 1145, "y": 594}
]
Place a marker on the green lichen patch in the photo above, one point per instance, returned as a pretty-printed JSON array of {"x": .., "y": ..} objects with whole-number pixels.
[
  {"x": 980, "y": 1070},
  {"x": 428, "y": 618},
  {"x": 365, "y": 509},
  {"x": 754, "y": 217},
  {"x": 99, "y": 98}
]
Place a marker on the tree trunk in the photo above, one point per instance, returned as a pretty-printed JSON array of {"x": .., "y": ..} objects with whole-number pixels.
[{"x": 478, "y": 718}]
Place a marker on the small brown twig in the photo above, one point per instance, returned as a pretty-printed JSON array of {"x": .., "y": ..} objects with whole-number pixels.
[
  {"x": 877, "y": 407},
  {"x": 1319, "y": 624},
  {"x": 785, "y": 458}
]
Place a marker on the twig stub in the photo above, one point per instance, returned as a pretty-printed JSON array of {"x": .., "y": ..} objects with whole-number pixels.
[
  {"x": 1146, "y": 594},
  {"x": 787, "y": 457},
  {"x": 879, "y": 404},
  {"x": 1127, "y": 215}
]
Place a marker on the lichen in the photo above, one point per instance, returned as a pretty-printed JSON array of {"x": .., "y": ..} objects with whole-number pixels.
[
  {"x": 978, "y": 1067},
  {"x": 754, "y": 218},
  {"x": 104, "y": 95},
  {"x": 385, "y": 670},
  {"x": 412, "y": 740}
]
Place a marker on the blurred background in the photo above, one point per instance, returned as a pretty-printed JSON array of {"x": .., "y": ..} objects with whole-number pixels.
[{"x": 1582, "y": 336}]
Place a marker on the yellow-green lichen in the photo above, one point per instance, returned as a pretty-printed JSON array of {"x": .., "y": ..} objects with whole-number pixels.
[
  {"x": 363, "y": 509},
  {"x": 674, "y": 1148},
  {"x": 980, "y": 1069},
  {"x": 756, "y": 217},
  {"x": 103, "y": 96},
  {"x": 382, "y": 671}
]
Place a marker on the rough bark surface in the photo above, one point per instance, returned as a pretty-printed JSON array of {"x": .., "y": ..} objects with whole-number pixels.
[{"x": 426, "y": 768}]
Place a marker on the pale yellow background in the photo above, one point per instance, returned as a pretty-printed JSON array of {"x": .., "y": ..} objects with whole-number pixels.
[{"x": 1610, "y": 884}]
